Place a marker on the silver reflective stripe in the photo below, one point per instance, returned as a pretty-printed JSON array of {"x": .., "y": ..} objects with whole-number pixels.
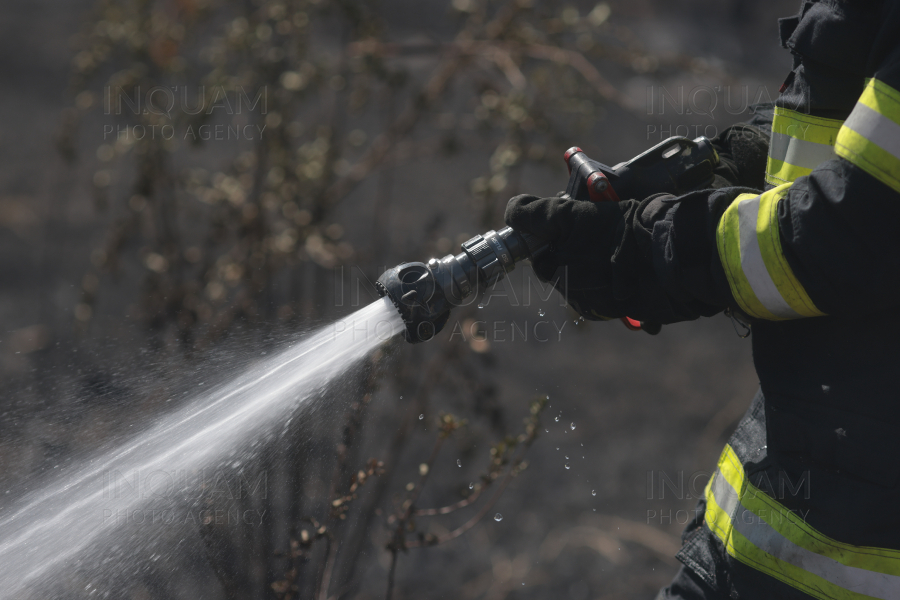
[
  {"x": 876, "y": 128},
  {"x": 753, "y": 266},
  {"x": 759, "y": 533},
  {"x": 798, "y": 152}
]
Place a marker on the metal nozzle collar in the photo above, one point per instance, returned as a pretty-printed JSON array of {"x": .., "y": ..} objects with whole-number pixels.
[{"x": 425, "y": 293}]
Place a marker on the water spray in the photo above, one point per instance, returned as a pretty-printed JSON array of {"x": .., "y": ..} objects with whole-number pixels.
[
  {"x": 78, "y": 518},
  {"x": 54, "y": 528},
  {"x": 425, "y": 293}
]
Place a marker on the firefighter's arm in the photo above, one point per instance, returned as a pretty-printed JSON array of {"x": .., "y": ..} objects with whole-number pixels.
[
  {"x": 824, "y": 244},
  {"x": 608, "y": 261}
]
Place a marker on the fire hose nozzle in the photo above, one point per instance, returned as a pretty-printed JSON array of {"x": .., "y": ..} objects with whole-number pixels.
[{"x": 425, "y": 293}]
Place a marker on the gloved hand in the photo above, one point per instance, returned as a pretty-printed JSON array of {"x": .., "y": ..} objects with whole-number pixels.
[
  {"x": 584, "y": 238},
  {"x": 742, "y": 150},
  {"x": 612, "y": 259}
]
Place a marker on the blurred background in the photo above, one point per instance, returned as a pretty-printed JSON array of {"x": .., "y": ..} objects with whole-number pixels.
[{"x": 187, "y": 183}]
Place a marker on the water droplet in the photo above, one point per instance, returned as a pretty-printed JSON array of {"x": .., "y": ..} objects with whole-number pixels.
[
  {"x": 593, "y": 492},
  {"x": 498, "y": 517},
  {"x": 572, "y": 425},
  {"x": 567, "y": 458},
  {"x": 401, "y": 397},
  {"x": 556, "y": 419},
  {"x": 421, "y": 417},
  {"x": 541, "y": 312},
  {"x": 471, "y": 486},
  {"x": 548, "y": 396},
  {"x": 481, "y": 306},
  {"x": 568, "y": 466},
  {"x": 458, "y": 462},
  {"x": 546, "y": 431}
]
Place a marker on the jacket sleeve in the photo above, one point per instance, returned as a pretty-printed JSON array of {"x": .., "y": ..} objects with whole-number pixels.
[
  {"x": 824, "y": 244},
  {"x": 821, "y": 242}
]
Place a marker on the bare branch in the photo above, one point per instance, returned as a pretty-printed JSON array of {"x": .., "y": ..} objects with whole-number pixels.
[
  {"x": 471, "y": 522},
  {"x": 446, "y": 510}
]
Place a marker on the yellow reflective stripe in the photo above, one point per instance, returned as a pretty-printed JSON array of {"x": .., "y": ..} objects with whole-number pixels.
[
  {"x": 870, "y": 138},
  {"x": 798, "y": 144},
  {"x": 761, "y": 280},
  {"x": 801, "y": 533},
  {"x": 819, "y": 130},
  {"x": 798, "y": 531},
  {"x": 728, "y": 240},
  {"x": 881, "y": 97},
  {"x": 779, "y": 172},
  {"x": 760, "y": 532},
  {"x": 724, "y": 511},
  {"x": 769, "y": 238}
]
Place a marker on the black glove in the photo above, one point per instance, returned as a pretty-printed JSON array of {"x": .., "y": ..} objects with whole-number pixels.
[
  {"x": 602, "y": 256},
  {"x": 743, "y": 150},
  {"x": 583, "y": 237}
]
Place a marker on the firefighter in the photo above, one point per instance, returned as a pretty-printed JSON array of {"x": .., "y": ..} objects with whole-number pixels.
[{"x": 798, "y": 241}]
